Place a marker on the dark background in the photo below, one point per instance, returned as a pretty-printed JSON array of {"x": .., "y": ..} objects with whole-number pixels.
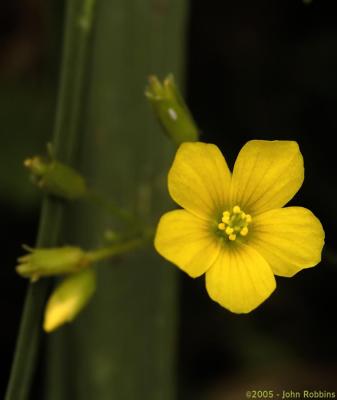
[{"x": 255, "y": 70}]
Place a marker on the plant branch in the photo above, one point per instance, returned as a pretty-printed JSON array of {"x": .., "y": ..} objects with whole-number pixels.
[{"x": 77, "y": 29}]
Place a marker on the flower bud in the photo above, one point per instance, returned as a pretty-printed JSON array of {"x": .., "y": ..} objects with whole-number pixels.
[
  {"x": 68, "y": 299},
  {"x": 171, "y": 110},
  {"x": 53, "y": 261},
  {"x": 56, "y": 178}
]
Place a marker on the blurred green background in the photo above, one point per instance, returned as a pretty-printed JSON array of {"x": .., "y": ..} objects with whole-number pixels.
[{"x": 255, "y": 70}]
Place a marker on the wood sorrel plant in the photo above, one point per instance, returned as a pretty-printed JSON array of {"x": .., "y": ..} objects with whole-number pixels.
[{"x": 232, "y": 228}]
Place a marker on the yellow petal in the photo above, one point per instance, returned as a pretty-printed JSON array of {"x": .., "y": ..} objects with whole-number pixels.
[
  {"x": 186, "y": 241},
  {"x": 240, "y": 279},
  {"x": 267, "y": 174},
  {"x": 199, "y": 179},
  {"x": 290, "y": 239}
]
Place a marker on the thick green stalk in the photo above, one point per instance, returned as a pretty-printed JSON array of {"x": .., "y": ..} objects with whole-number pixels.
[
  {"x": 122, "y": 346},
  {"x": 64, "y": 146}
]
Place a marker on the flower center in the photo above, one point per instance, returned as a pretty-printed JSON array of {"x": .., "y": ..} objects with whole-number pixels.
[{"x": 234, "y": 223}]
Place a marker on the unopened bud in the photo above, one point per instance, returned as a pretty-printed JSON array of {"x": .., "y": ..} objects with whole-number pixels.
[
  {"x": 53, "y": 261},
  {"x": 171, "y": 110},
  {"x": 56, "y": 178},
  {"x": 68, "y": 299}
]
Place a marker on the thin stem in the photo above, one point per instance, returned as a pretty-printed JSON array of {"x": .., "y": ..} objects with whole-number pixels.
[
  {"x": 30, "y": 329},
  {"x": 78, "y": 27},
  {"x": 115, "y": 249}
]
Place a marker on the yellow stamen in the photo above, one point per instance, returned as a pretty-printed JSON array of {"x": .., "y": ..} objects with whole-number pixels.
[
  {"x": 234, "y": 222},
  {"x": 243, "y": 231},
  {"x": 236, "y": 210},
  {"x": 229, "y": 230},
  {"x": 225, "y": 219}
]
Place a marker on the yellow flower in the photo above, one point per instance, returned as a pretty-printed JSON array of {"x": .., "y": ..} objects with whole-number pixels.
[{"x": 232, "y": 227}]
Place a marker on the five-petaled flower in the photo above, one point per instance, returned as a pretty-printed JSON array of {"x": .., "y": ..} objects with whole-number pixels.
[{"x": 233, "y": 227}]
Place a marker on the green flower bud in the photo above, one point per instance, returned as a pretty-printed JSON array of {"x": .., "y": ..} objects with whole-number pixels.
[
  {"x": 171, "y": 110},
  {"x": 53, "y": 261},
  {"x": 56, "y": 178},
  {"x": 68, "y": 299}
]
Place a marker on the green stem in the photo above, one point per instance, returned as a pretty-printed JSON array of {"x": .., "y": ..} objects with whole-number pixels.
[
  {"x": 115, "y": 249},
  {"x": 75, "y": 60},
  {"x": 30, "y": 329},
  {"x": 78, "y": 26}
]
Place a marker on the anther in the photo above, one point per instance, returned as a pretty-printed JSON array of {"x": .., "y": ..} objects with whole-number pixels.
[
  {"x": 232, "y": 236},
  {"x": 225, "y": 219},
  {"x": 243, "y": 231},
  {"x": 236, "y": 210},
  {"x": 248, "y": 218},
  {"x": 221, "y": 226},
  {"x": 229, "y": 230}
]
